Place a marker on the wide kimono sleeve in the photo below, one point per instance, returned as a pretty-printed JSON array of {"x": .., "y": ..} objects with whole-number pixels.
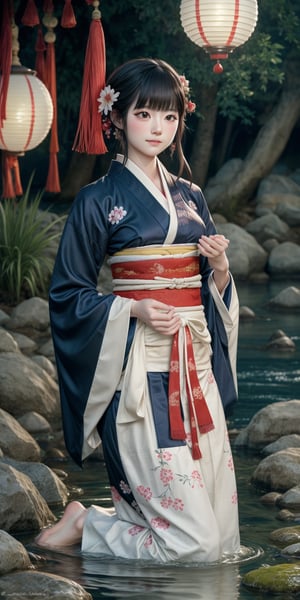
[
  {"x": 86, "y": 325},
  {"x": 222, "y": 314}
]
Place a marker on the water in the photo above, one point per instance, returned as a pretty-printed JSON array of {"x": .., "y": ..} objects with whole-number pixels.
[{"x": 264, "y": 378}]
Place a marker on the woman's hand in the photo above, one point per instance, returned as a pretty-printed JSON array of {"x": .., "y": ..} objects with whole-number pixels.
[
  {"x": 214, "y": 248},
  {"x": 158, "y": 315}
]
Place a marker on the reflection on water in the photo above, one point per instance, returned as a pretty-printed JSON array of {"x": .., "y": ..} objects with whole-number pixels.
[
  {"x": 120, "y": 579},
  {"x": 263, "y": 378}
]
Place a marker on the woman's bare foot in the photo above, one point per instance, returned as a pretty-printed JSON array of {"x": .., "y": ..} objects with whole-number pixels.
[{"x": 67, "y": 531}]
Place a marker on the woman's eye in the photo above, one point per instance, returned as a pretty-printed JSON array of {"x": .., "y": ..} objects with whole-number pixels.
[
  {"x": 171, "y": 118},
  {"x": 143, "y": 114}
]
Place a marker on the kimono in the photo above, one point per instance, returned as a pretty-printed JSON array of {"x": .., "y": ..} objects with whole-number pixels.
[{"x": 174, "y": 494}]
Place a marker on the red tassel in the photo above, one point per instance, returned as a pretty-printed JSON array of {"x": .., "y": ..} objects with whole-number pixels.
[
  {"x": 51, "y": 84},
  {"x": 40, "y": 65},
  {"x": 68, "y": 19},
  {"x": 53, "y": 177},
  {"x": 53, "y": 183},
  {"x": 11, "y": 180},
  {"x": 5, "y": 56},
  {"x": 30, "y": 16},
  {"x": 89, "y": 135}
]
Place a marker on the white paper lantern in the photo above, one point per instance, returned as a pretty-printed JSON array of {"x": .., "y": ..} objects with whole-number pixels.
[
  {"x": 29, "y": 112},
  {"x": 218, "y": 26}
]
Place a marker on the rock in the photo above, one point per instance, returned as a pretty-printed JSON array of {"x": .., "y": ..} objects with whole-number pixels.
[
  {"x": 26, "y": 344},
  {"x": 45, "y": 586},
  {"x": 223, "y": 177},
  {"x": 287, "y": 298},
  {"x": 289, "y": 209},
  {"x": 285, "y": 441},
  {"x": 268, "y": 226},
  {"x": 287, "y": 515},
  {"x": 284, "y": 260},
  {"x": 24, "y": 384},
  {"x": 279, "y": 471},
  {"x": 245, "y": 255},
  {"x": 15, "y": 441},
  {"x": 285, "y": 536},
  {"x": 4, "y": 317},
  {"x": 291, "y": 499},
  {"x": 246, "y": 313},
  {"x": 292, "y": 551},
  {"x": 51, "y": 488},
  {"x": 7, "y": 342},
  {"x": 280, "y": 341},
  {"x": 276, "y": 579},
  {"x": 33, "y": 422},
  {"x": 45, "y": 364},
  {"x": 30, "y": 511},
  {"x": 271, "y": 498},
  {"x": 47, "y": 349},
  {"x": 33, "y": 313},
  {"x": 13, "y": 556},
  {"x": 270, "y": 423},
  {"x": 276, "y": 186},
  {"x": 269, "y": 244}
]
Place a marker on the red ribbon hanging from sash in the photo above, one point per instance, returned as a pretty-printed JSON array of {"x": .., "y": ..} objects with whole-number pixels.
[{"x": 198, "y": 409}]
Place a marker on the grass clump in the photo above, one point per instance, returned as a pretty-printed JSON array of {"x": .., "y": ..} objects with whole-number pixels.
[{"x": 25, "y": 267}]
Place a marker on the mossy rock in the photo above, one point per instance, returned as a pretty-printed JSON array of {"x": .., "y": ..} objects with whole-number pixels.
[{"x": 275, "y": 579}]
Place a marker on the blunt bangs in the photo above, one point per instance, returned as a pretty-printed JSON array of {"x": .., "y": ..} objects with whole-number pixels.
[{"x": 159, "y": 91}]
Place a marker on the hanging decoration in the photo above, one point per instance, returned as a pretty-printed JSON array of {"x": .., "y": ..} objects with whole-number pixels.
[
  {"x": 218, "y": 26},
  {"x": 50, "y": 22},
  {"x": 89, "y": 136},
  {"x": 28, "y": 99},
  {"x": 27, "y": 120},
  {"x": 5, "y": 55},
  {"x": 68, "y": 19}
]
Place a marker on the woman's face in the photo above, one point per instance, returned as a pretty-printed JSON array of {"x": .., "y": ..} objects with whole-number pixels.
[{"x": 149, "y": 131}]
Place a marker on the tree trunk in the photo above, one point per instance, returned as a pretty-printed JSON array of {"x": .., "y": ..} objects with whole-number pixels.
[
  {"x": 266, "y": 150},
  {"x": 204, "y": 135}
]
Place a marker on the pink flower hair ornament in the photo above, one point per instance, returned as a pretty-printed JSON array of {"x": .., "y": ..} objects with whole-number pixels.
[{"x": 190, "y": 106}]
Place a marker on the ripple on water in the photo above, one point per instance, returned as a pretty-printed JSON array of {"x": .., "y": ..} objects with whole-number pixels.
[{"x": 118, "y": 579}]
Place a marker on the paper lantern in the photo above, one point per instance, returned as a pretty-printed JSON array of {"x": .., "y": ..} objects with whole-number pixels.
[
  {"x": 218, "y": 26},
  {"x": 29, "y": 112}
]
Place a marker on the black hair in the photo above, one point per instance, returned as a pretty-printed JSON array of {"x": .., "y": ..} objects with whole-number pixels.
[{"x": 151, "y": 83}]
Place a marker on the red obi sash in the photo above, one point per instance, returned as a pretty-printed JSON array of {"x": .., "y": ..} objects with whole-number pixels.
[
  {"x": 176, "y": 273},
  {"x": 160, "y": 268}
]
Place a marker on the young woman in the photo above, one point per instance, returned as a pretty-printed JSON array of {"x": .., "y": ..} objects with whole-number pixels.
[{"x": 148, "y": 368}]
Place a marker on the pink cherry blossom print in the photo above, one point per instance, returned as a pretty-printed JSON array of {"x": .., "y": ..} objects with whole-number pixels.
[{"x": 116, "y": 215}]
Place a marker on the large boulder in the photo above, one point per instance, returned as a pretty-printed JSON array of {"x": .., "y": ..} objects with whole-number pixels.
[
  {"x": 15, "y": 441},
  {"x": 284, "y": 260},
  {"x": 51, "y": 488},
  {"x": 268, "y": 226},
  {"x": 22, "y": 506},
  {"x": 26, "y": 585},
  {"x": 32, "y": 313},
  {"x": 280, "y": 579},
  {"x": 245, "y": 255},
  {"x": 270, "y": 423},
  {"x": 13, "y": 556},
  {"x": 279, "y": 471},
  {"x": 25, "y": 386}
]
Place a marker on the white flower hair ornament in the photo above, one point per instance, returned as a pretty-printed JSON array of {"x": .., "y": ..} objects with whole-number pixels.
[{"x": 107, "y": 98}]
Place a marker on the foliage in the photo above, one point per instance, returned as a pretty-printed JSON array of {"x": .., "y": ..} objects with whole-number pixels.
[
  {"x": 253, "y": 75},
  {"x": 244, "y": 94},
  {"x": 24, "y": 239}
]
